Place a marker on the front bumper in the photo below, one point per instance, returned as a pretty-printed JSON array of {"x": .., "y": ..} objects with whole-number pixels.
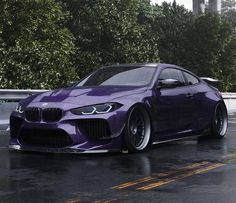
[{"x": 81, "y": 142}]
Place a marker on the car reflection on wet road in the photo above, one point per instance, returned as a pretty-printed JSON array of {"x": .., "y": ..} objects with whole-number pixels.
[{"x": 193, "y": 170}]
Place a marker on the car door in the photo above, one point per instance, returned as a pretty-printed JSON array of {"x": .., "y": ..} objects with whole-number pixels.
[
  {"x": 198, "y": 98},
  {"x": 173, "y": 105}
]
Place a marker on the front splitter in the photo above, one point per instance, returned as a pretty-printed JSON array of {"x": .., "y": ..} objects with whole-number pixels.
[{"x": 60, "y": 150}]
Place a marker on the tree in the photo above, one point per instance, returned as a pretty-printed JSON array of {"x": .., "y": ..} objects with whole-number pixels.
[
  {"x": 170, "y": 27},
  {"x": 36, "y": 51},
  {"x": 228, "y": 5},
  {"x": 109, "y": 32},
  {"x": 227, "y": 64},
  {"x": 209, "y": 42},
  {"x": 231, "y": 17},
  {"x": 203, "y": 44},
  {"x": 46, "y": 43},
  {"x": 228, "y": 57}
]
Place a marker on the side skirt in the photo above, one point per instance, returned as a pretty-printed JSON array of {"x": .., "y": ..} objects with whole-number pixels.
[{"x": 176, "y": 139}]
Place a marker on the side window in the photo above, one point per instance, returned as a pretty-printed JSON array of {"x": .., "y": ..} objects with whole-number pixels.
[
  {"x": 191, "y": 80},
  {"x": 172, "y": 73}
]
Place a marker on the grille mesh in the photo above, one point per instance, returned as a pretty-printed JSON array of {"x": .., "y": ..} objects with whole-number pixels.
[
  {"x": 95, "y": 128},
  {"x": 32, "y": 114},
  {"x": 35, "y": 114},
  {"x": 52, "y": 114}
]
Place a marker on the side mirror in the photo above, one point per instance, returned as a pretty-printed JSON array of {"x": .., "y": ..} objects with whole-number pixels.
[{"x": 169, "y": 83}]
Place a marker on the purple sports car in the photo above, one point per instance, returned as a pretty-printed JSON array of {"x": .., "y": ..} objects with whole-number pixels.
[{"x": 121, "y": 107}]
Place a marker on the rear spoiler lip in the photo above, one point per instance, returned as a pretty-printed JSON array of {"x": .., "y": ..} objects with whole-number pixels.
[
  {"x": 211, "y": 82},
  {"x": 208, "y": 79}
]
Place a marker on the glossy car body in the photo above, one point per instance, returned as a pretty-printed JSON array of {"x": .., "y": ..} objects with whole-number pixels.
[{"x": 51, "y": 121}]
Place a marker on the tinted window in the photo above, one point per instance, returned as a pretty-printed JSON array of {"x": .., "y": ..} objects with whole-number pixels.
[
  {"x": 122, "y": 76},
  {"x": 171, "y": 73},
  {"x": 191, "y": 80}
]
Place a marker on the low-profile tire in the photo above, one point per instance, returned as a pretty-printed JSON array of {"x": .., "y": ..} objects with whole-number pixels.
[
  {"x": 138, "y": 130},
  {"x": 219, "y": 123}
]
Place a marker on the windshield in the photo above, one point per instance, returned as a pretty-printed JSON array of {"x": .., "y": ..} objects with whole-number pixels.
[{"x": 122, "y": 76}]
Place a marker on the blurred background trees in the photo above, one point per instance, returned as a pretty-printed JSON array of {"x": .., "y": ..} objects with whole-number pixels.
[
  {"x": 109, "y": 32},
  {"x": 36, "y": 49},
  {"x": 47, "y": 43}
]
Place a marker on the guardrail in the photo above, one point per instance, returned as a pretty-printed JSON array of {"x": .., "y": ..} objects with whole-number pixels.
[
  {"x": 16, "y": 95},
  {"x": 8, "y": 101},
  {"x": 230, "y": 101},
  {"x": 10, "y": 97}
]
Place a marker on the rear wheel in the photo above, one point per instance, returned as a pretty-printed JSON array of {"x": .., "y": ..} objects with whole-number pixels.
[
  {"x": 138, "y": 130},
  {"x": 219, "y": 121}
]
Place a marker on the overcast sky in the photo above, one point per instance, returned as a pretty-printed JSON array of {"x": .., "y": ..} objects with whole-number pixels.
[{"x": 187, "y": 3}]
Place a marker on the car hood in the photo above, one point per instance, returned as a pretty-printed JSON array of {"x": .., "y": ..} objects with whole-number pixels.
[{"x": 82, "y": 96}]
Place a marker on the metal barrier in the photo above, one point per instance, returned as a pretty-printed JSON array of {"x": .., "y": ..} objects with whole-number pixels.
[
  {"x": 17, "y": 95},
  {"x": 9, "y": 99},
  {"x": 230, "y": 101}
]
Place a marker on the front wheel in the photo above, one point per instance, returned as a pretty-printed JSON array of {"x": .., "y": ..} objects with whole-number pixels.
[
  {"x": 138, "y": 130},
  {"x": 219, "y": 121}
]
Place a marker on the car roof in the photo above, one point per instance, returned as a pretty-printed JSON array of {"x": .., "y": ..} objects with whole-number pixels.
[
  {"x": 132, "y": 65},
  {"x": 156, "y": 65}
]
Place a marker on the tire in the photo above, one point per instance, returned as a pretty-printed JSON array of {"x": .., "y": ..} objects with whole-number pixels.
[
  {"x": 138, "y": 130},
  {"x": 220, "y": 121}
]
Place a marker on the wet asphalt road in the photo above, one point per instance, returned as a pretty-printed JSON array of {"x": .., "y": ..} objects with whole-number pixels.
[{"x": 193, "y": 170}]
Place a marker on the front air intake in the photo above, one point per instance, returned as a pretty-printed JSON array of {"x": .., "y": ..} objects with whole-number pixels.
[
  {"x": 15, "y": 125},
  {"x": 51, "y": 138},
  {"x": 97, "y": 129}
]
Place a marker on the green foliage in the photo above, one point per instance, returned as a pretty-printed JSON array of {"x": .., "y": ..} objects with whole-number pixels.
[
  {"x": 208, "y": 37},
  {"x": 231, "y": 17},
  {"x": 47, "y": 43},
  {"x": 112, "y": 31},
  {"x": 204, "y": 44},
  {"x": 228, "y": 59},
  {"x": 209, "y": 49},
  {"x": 170, "y": 25},
  {"x": 227, "y": 64},
  {"x": 36, "y": 52},
  {"x": 228, "y": 5}
]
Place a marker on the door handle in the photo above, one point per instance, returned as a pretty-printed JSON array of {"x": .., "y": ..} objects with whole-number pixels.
[{"x": 189, "y": 95}]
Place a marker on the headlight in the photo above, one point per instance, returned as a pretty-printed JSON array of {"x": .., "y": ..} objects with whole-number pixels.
[
  {"x": 96, "y": 109},
  {"x": 19, "y": 108}
]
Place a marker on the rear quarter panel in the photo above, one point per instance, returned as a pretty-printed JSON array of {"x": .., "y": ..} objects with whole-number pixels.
[{"x": 205, "y": 98}]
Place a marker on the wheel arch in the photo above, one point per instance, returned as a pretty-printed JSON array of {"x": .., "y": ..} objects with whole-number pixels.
[
  {"x": 147, "y": 109},
  {"x": 220, "y": 102},
  {"x": 213, "y": 127}
]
